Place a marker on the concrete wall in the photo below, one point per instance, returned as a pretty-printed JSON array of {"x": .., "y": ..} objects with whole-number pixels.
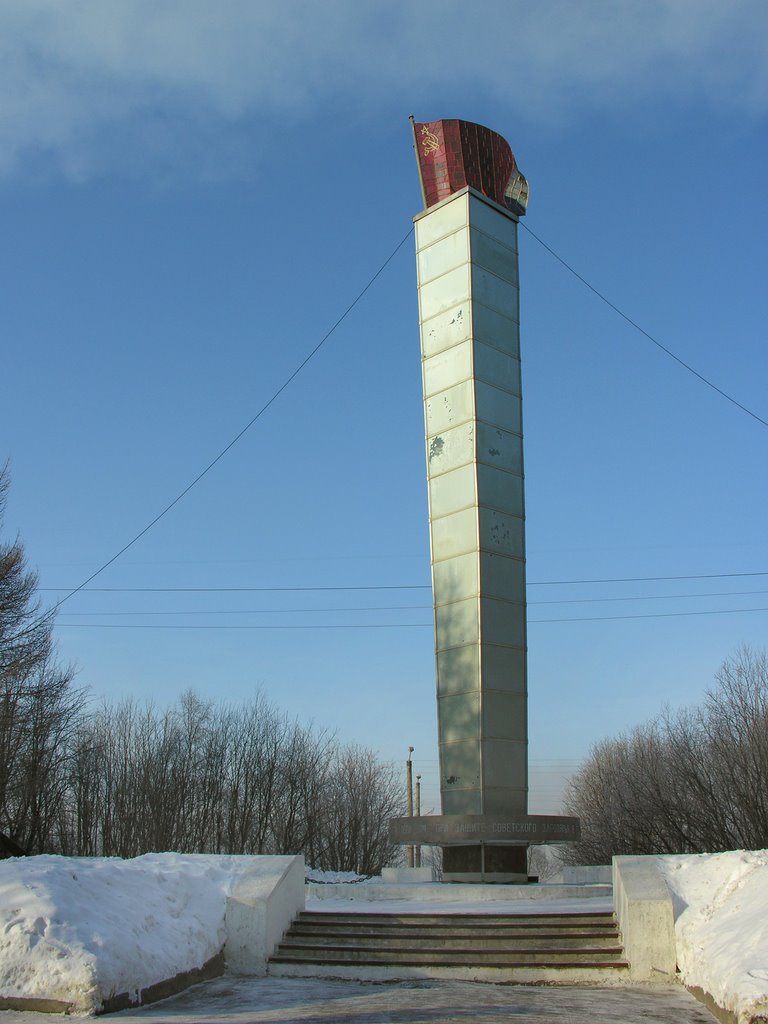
[
  {"x": 259, "y": 911},
  {"x": 453, "y": 893},
  {"x": 646, "y": 919}
]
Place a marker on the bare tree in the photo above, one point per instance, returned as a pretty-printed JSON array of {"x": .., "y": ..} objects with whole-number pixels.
[
  {"x": 38, "y": 709},
  {"x": 690, "y": 781},
  {"x": 360, "y": 796}
]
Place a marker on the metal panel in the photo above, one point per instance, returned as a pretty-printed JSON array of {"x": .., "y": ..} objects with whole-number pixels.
[
  {"x": 451, "y": 407},
  {"x": 450, "y": 450},
  {"x": 445, "y": 292},
  {"x": 491, "y": 291},
  {"x": 461, "y": 801},
  {"x": 499, "y": 448},
  {"x": 460, "y": 765},
  {"x": 503, "y": 577},
  {"x": 514, "y": 800},
  {"x": 458, "y": 670},
  {"x": 498, "y": 368},
  {"x": 456, "y": 578},
  {"x": 504, "y": 668},
  {"x": 502, "y": 623},
  {"x": 454, "y": 535},
  {"x": 441, "y": 221},
  {"x": 457, "y": 625},
  {"x": 492, "y": 254},
  {"x": 500, "y": 533},
  {"x": 447, "y": 329},
  {"x": 459, "y": 717},
  {"x": 451, "y": 492},
  {"x": 505, "y": 715},
  {"x": 498, "y": 407},
  {"x": 505, "y": 762},
  {"x": 451, "y": 251},
  {"x": 493, "y": 222},
  {"x": 445, "y": 369},
  {"x": 502, "y": 332},
  {"x": 497, "y": 489}
]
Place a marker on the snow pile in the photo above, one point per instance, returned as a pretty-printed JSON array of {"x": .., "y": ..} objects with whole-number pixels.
[
  {"x": 334, "y": 877},
  {"x": 83, "y": 929},
  {"x": 721, "y": 926}
]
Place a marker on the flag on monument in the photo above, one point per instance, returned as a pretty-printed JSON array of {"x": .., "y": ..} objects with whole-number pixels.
[{"x": 453, "y": 154}]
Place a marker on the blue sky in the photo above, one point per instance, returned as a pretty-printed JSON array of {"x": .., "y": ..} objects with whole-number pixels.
[{"x": 192, "y": 193}]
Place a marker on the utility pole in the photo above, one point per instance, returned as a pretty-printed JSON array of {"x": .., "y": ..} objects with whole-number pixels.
[
  {"x": 418, "y": 815},
  {"x": 409, "y": 791}
]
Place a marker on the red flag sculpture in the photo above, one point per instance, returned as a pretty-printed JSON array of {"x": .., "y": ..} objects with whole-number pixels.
[{"x": 453, "y": 154}]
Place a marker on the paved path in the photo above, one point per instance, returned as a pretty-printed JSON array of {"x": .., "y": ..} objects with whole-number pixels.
[{"x": 302, "y": 1001}]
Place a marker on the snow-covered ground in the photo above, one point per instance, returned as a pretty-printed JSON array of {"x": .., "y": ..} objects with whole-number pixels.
[
  {"x": 721, "y": 926},
  {"x": 335, "y": 877},
  {"x": 81, "y": 929}
]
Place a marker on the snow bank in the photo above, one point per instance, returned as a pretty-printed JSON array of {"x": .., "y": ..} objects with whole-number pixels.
[
  {"x": 82, "y": 929},
  {"x": 335, "y": 877},
  {"x": 721, "y": 927}
]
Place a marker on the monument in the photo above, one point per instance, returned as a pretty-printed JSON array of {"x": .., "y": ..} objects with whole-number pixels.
[{"x": 467, "y": 264}]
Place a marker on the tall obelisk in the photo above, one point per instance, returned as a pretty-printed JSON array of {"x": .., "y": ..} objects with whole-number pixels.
[{"x": 469, "y": 311}]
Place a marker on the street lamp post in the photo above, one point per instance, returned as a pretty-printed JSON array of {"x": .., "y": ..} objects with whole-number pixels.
[
  {"x": 418, "y": 815},
  {"x": 409, "y": 791}
]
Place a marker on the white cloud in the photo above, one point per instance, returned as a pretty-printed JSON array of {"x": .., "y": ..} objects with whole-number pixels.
[{"x": 88, "y": 78}]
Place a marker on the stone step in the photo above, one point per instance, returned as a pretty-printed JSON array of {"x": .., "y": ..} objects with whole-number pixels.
[
  {"x": 418, "y": 931},
  {"x": 452, "y": 957},
  {"x": 523, "y": 948},
  {"x": 469, "y": 955},
  {"x": 523, "y": 974},
  {"x": 460, "y": 938},
  {"x": 596, "y": 920}
]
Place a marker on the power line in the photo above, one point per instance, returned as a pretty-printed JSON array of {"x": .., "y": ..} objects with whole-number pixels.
[
  {"x": 653, "y": 615},
  {"x": 403, "y": 607},
  {"x": 399, "y": 586},
  {"x": 633, "y": 323},
  {"x": 648, "y": 579},
  {"x": 169, "y": 625},
  {"x": 237, "y": 437},
  {"x": 645, "y": 597},
  {"x": 265, "y": 611},
  {"x": 233, "y": 590},
  {"x": 394, "y": 625}
]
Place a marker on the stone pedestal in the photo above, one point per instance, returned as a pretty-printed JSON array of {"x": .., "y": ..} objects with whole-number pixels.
[
  {"x": 484, "y": 848},
  {"x": 504, "y": 864}
]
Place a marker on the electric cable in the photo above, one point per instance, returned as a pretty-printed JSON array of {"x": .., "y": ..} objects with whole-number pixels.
[
  {"x": 633, "y": 323},
  {"x": 237, "y": 437},
  {"x": 397, "y": 625},
  {"x": 410, "y": 607},
  {"x": 397, "y": 586},
  {"x": 263, "y": 611}
]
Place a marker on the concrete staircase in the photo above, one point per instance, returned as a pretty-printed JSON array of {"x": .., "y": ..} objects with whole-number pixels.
[{"x": 524, "y": 948}]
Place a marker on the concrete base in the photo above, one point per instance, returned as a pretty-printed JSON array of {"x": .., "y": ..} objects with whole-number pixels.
[
  {"x": 646, "y": 918},
  {"x": 497, "y": 865},
  {"x": 259, "y": 909},
  {"x": 401, "y": 876},
  {"x": 437, "y": 892},
  {"x": 593, "y": 874}
]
